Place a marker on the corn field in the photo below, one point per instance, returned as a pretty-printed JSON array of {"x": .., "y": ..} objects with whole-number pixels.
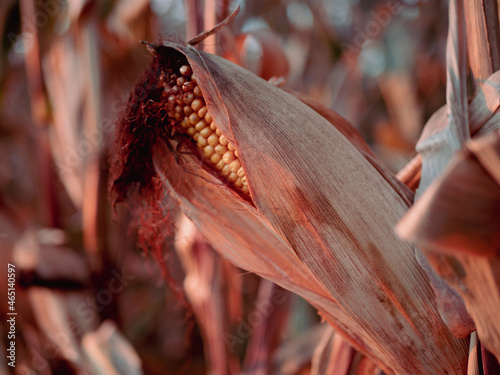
[{"x": 254, "y": 187}]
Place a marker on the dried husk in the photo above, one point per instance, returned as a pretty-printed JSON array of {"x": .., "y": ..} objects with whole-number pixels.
[
  {"x": 456, "y": 221},
  {"x": 319, "y": 221}
]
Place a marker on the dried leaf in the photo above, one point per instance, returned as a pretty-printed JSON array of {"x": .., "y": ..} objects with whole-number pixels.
[
  {"x": 459, "y": 212},
  {"x": 318, "y": 219},
  {"x": 203, "y": 285},
  {"x": 269, "y": 317},
  {"x": 457, "y": 219},
  {"x": 438, "y": 149},
  {"x": 333, "y": 355}
]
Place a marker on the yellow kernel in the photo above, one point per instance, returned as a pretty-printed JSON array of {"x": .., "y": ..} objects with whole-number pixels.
[
  {"x": 200, "y": 125},
  {"x": 231, "y": 147},
  {"x": 185, "y": 70},
  {"x": 220, "y": 164},
  {"x": 208, "y": 118},
  {"x": 197, "y": 91},
  {"x": 206, "y": 132},
  {"x": 213, "y": 140},
  {"x": 197, "y": 104},
  {"x": 208, "y": 151},
  {"x": 218, "y": 132},
  {"x": 236, "y": 153},
  {"x": 238, "y": 184},
  {"x": 232, "y": 176},
  {"x": 228, "y": 157},
  {"x": 213, "y": 126},
  {"x": 241, "y": 172},
  {"x": 235, "y": 165},
  {"x": 193, "y": 118},
  {"x": 223, "y": 140},
  {"x": 188, "y": 98},
  {"x": 202, "y": 141},
  {"x": 196, "y": 136},
  {"x": 187, "y": 110},
  {"x": 225, "y": 170},
  {"x": 216, "y": 158},
  {"x": 191, "y": 131},
  {"x": 244, "y": 180},
  {"x": 188, "y": 86},
  {"x": 203, "y": 111},
  {"x": 244, "y": 189},
  {"x": 220, "y": 149}
]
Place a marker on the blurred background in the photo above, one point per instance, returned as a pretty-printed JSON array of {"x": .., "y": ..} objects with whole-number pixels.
[{"x": 91, "y": 300}]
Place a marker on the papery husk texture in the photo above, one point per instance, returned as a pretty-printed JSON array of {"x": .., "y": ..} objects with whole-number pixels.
[{"x": 319, "y": 221}]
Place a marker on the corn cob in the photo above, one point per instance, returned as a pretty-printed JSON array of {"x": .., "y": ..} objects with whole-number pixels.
[{"x": 188, "y": 114}]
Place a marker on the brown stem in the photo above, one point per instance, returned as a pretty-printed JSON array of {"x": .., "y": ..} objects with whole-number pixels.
[
  {"x": 483, "y": 38},
  {"x": 48, "y": 207},
  {"x": 194, "y": 24}
]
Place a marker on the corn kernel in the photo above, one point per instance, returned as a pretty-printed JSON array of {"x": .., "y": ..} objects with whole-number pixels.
[
  {"x": 202, "y": 141},
  {"x": 225, "y": 170},
  {"x": 193, "y": 118},
  {"x": 220, "y": 165},
  {"x": 200, "y": 125},
  {"x": 234, "y": 166},
  {"x": 208, "y": 151},
  {"x": 228, "y": 157},
  {"x": 188, "y": 98},
  {"x": 216, "y": 158},
  {"x": 197, "y": 104},
  {"x": 223, "y": 140},
  {"x": 220, "y": 149},
  {"x": 206, "y": 132},
  {"x": 185, "y": 70},
  {"x": 203, "y": 111},
  {"x": 232, "y": 177},
  {"x": 213, "y": 140}
]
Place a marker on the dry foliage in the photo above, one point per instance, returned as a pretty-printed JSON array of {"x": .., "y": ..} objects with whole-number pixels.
[{"x": 208, "y": 276}]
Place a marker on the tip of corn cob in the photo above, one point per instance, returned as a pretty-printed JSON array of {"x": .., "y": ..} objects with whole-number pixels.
[
  {"x": 188, "y": 115},
  {"x": 167, "y": 103}
]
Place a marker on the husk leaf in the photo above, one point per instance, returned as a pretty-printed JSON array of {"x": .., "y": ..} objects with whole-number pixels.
[{"x": 321, "y": 224}]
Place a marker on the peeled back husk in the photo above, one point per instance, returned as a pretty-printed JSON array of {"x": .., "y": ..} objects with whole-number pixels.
[{"x": 318, "y": 219}]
